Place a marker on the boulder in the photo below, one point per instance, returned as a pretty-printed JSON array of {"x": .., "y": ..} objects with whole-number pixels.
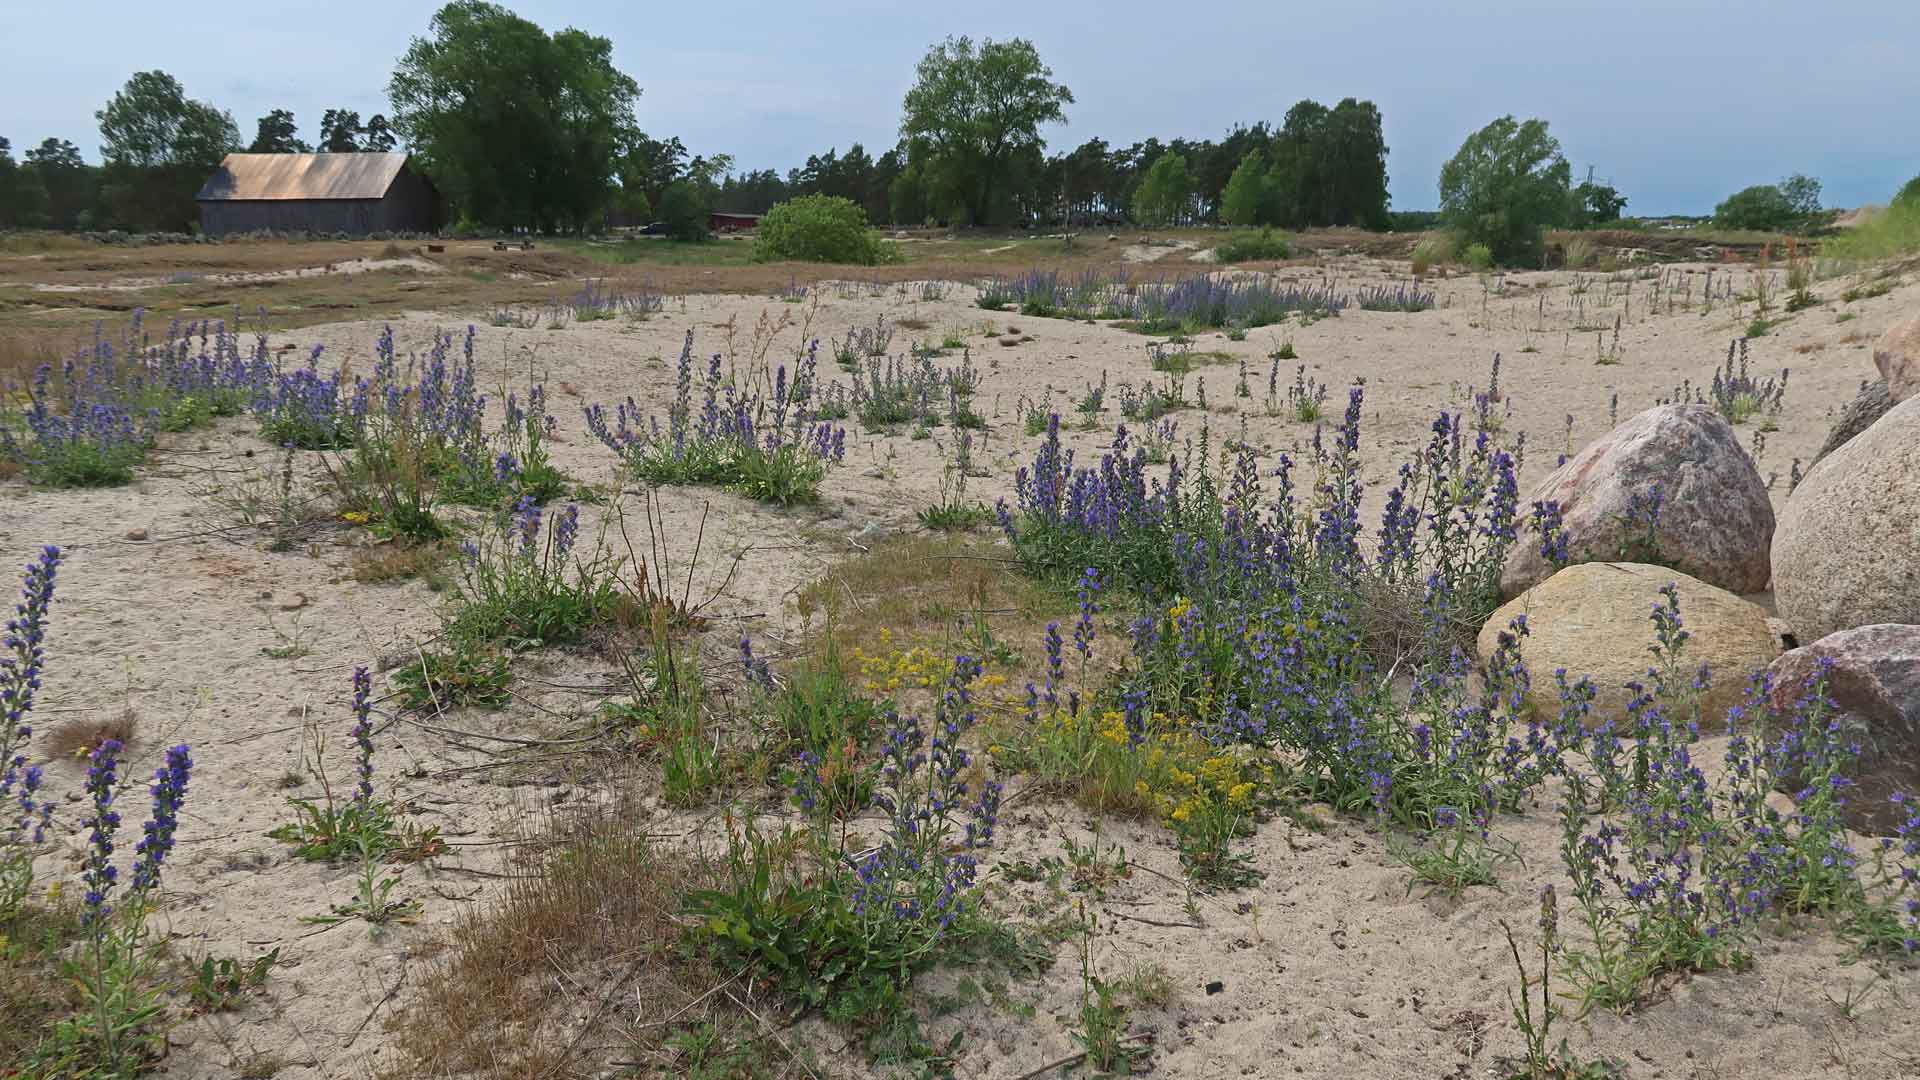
[
  {"x": 1716, "y": 520},
  {"x": 1847, "y": 550},
  {"x": 1875, "y": 683},
  {"x": 1594, "y": 619},
  {"x": 1869, "y": 405},
  {"x": 1897, "y": 355}
]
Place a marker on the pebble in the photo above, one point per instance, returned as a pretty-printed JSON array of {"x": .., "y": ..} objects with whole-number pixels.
[{"x": 136, "y": 534}]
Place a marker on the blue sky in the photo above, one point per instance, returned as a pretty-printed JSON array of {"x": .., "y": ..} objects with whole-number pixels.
[{"x": 1678, "y": 102}]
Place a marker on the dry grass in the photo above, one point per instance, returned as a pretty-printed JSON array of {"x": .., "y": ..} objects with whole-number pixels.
[
  {"x": 931, "y": 591},
  {"x": 33, "y": 993},
  {"x": 78, "y": 738},
  {"x": 576, "y": 964},
  {"x": 385, "y": 563}
]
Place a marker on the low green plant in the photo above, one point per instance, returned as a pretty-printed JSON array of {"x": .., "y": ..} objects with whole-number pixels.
[
  {"x": 1457, "y": 855},
  {"x": 217, "y": 984},
  {"x": 464, "y": 674},
  {"x": 1253, "y": 246},
  {"x": 525, "y": 584}
]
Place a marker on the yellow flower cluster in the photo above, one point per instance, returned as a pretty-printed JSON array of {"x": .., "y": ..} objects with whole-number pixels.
[
  {"x": 357, "y": 517},
  {"x": 893, "y": 669},
  {"x": 1173, "y": 771}
]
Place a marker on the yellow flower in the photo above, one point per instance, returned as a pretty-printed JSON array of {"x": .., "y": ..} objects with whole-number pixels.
[
  {"x": 1179, "y": 610},
  {"x": 358, "y": 517},
  {"x": 1182, "y": 812}
]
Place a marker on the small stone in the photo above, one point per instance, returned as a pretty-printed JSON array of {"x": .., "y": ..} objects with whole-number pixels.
[
  {"x": 873, "y": 472},
  {"x": 294, "y": 603},
  {"x": 136, "y": 534}
]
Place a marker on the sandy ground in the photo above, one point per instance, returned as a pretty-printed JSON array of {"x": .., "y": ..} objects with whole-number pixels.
[{"x": 1326, "y": 969}]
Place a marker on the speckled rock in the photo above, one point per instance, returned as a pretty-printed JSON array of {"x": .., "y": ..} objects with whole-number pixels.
[{"x": 1716, "y": 522}]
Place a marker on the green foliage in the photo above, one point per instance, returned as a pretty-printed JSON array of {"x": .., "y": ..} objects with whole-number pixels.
[
  {"x": 1505, "y": 187},
  {"x": 158, "y": 146},
  {"x": 1888, "y": 234},
  {"x": 219, "y": 984},
  {"x": 685, "y": 208},
  {"x": 1329, "y": 167},
  {"x": 1595, "y": 203},
  {"x": 515, "y": 586},
  {"x": 1793, "y": 205},
  {"x": 1254, "y": 246},
  {"x": 23, "y": 195},
  {"x": 1165, "y": 197},
  {"x": 1478, "y": 257},
  {"x": 816, "y": 228},
  {"x": 1247, "y": 196},
  {"x": 973, "y": 114},
  {"x": 278, "y": 133},
  {"x": 463, "y": 674},
  {"x": 517, "y": 127}
]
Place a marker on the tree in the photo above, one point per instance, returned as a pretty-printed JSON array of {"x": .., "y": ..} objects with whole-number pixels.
[
  {"x": 1164, "y": 196},
  {"x": 159, "y": 146},
  {"x": 150, "y": 123},
  {"x": 1507, "y": 184},
  {"x": 1909, "y": 195},
  {"x": 377, "y": 136},
  {"x": 1596, "y": 203},
  {"x": 340, "y": 132},
  {"x": 686, "y": 207},
  {"x": 518, "y": 128},
  {"x": 1353, "y": 167},
  {"x": 1789, "y": 206},
  {"x": 23, "y": 198},
  {"x": 1244, "y": 202},
  {"x": 72, "y": 186},
  {"x": 972, "y": 113},
  {"x": 277, "y": 133}
]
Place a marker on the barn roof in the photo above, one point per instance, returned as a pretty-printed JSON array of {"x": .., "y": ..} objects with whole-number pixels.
[{"x": 302, "y": 176}]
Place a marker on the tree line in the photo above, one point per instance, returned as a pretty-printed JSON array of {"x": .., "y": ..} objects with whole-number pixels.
[{"x": 520, "y": 128}]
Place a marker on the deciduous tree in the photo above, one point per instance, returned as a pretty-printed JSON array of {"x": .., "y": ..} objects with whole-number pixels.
[
  {"x": 1507, "y": 185},
  {"x": 972, "y": 114}
]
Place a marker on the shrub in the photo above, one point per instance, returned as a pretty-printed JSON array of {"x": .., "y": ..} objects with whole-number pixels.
[
  {"x": 1478, "y": 257},
  {"x": 1432, "y": 250},
  {"x": 1505, "y": 187},
  {"x": 1254, "y": 246},
  {"x": 816, "y": 228}
]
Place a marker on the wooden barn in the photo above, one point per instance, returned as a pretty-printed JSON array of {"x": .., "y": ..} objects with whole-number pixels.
[{"x": 355, "y": 194}]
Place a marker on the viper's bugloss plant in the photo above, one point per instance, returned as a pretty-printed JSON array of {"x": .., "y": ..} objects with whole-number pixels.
[
  {"x": 25, "y": 813},
  {"x": 768, "y": 446},
  {"x": 529, "y": 581},
  {"x": 844, "y": 923},
  {"x": 112, "y": 1032},
  {"x": 87, "y": 421}
]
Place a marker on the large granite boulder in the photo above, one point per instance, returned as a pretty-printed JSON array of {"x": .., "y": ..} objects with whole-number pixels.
[
  {"x": 1874, "y": 679},
  {"x": 1847, "y": 550},
  {"x": 1897, "y": 355},
  {"x": 1868, "y": 406},
  {"x": 1595, "y": 619},
  {"x": 1715, "y": 518}
]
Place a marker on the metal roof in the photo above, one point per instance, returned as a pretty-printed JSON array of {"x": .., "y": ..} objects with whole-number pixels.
[{"x": 302, "y": 176}]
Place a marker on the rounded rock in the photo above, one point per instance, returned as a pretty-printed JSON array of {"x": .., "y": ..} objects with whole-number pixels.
[
  {"x": 1716, "y": 519},
  {"x": 1847, "y": 550},
  {"x": 1595, "y": 619}
]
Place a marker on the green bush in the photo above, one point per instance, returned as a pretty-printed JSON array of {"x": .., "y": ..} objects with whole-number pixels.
[
  {"x": 817, "y": 228},
  {"x": 1252, "y": 246},
  {"x": 1478, "y": 257}
]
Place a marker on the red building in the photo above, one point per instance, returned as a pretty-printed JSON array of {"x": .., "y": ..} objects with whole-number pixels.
[{"x": 722, "y": 221}]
